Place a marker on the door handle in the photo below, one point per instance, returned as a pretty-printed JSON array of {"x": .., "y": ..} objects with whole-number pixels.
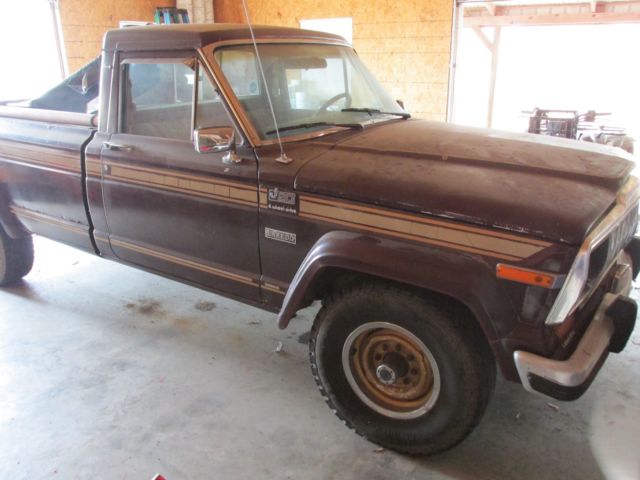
[{"x": 117, "y": 146}]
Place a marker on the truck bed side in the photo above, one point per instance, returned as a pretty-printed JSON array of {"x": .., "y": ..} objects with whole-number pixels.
[{"x": 42, "y": 174}]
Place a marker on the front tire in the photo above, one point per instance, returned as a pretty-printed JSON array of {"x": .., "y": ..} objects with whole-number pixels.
[
  {"x": 402, "y": 371},
  {"x": 16, "y": 258}
]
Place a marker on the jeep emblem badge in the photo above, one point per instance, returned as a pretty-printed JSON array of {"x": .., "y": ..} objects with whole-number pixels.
[{"x": 282, "y": 200}]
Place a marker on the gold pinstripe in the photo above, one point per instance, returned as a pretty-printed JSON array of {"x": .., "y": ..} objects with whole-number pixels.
[
  {"x": 45, "y": 156},
  {"x": 219, "y": 272},
  {"x": 193, "y": 264},
  {"x": 415, "y": 238},
  {"x": 100, "y": 238},
  {"x": 263, "y": 198},
  {"x": 182, "y": 175},
  {"x": 185, "y": 183},
  {"x": 417, "y": 228},
  {"x": 40, "y": 217},
  {"x": 422, "y": 219},
  {"x": 94, "y": 167},
  {"x": 272, "y": 288}
]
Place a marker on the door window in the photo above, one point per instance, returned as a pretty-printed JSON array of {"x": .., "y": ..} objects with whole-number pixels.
[
  {"x": 158, "y": 96},
  {"x": 158, "y": 99}
]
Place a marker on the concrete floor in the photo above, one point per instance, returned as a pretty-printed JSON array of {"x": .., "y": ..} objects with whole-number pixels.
[{"x": 109, "y": 372}]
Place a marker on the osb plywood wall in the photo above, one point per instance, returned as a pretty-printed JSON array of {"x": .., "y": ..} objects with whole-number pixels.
[
  {"x": 85, "y": 22},
  {"x": 405, "y": 43}
]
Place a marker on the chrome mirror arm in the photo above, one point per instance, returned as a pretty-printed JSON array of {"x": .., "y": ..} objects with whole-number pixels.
[{"x": 231, "y": 157}]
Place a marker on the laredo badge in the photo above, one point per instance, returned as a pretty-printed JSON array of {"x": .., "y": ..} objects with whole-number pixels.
[
  {"x": 282, "y": 200},
  {"x": 280, "y": 236}
]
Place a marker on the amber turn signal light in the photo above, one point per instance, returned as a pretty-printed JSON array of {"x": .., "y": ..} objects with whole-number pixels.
[{"x": 530, "y": 277}]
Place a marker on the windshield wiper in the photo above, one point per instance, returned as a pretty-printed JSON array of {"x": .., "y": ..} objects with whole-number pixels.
[
  {"x": 358, "y": 126},
  {"x": 371, "y": 111}
]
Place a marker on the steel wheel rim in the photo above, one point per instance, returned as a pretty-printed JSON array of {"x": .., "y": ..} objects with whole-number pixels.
[{"x": 391, "y": 370}]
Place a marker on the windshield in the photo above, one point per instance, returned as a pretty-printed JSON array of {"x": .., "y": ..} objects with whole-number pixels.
[{"x": 311, "y": 87}]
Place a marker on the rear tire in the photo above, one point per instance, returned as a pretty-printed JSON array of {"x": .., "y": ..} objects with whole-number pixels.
[
  {"x": 16, "y": 258},
  {"x": 404, "y": 372}
]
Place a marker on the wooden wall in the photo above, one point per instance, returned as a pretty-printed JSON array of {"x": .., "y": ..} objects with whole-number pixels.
[
  {"x": 405, "y": 43},
  {"x": 85, "y": 22}
]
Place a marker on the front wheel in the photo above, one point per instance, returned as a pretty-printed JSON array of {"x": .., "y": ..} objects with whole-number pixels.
[{"x": 403, "y": 372}]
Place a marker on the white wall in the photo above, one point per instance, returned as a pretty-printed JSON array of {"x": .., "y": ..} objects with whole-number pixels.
[
  {"x": 28, "y": 51},
  {"x": 342, "y": 26}
]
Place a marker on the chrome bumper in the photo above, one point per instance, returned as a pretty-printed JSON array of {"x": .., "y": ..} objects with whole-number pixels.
[{"x": 609, "y": 331}]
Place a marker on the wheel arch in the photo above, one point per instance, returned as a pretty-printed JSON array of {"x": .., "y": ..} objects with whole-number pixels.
[{"x": 339, "y": 256}]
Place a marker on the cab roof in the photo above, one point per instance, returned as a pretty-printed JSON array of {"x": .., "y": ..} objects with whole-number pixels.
[{"x": 191, "y": 36}]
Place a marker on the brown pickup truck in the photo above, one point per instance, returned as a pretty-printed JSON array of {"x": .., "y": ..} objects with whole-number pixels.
[{"x": 278, "y": 179}]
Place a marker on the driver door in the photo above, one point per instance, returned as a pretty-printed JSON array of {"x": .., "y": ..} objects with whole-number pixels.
[{"x": 168, "y": 208}]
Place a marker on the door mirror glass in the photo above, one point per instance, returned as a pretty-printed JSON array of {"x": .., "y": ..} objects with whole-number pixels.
[{"x": 213, "y": 139}]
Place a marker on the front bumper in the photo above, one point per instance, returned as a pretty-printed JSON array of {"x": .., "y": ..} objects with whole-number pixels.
[{"x": 609, "y": 331}]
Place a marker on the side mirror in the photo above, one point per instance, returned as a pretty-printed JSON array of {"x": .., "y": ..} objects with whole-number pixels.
[{"x": 214, "y": 139}]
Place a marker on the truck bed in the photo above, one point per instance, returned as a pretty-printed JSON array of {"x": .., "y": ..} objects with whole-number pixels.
[{"x": 42, "y": 174}]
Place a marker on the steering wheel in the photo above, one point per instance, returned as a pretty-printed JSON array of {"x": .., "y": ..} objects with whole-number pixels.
[{"x": 323, "y": 108}]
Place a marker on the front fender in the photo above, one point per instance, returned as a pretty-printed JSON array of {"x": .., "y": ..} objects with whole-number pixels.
[{"x": 468, "y": 278}]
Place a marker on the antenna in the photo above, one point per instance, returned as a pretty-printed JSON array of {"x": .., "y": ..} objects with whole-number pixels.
[{"x": 283, "y": 156}]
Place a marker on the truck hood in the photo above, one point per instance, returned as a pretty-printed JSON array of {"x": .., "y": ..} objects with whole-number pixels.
[{"x": 542, "y": 186}]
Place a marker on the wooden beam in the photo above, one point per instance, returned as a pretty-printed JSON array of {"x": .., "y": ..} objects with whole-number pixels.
[
  {"x": 558, "y": 19},
  {"x": 62, "y": 61},
  {"x": 494, "y": 69},
  {"x": 491, "y": 8},
  {"x": 453, "y": 59},
  {"x": 587, "y": 12},
  {"x": 493, "y": 46},
  {"x": 487, "y": 43}
]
